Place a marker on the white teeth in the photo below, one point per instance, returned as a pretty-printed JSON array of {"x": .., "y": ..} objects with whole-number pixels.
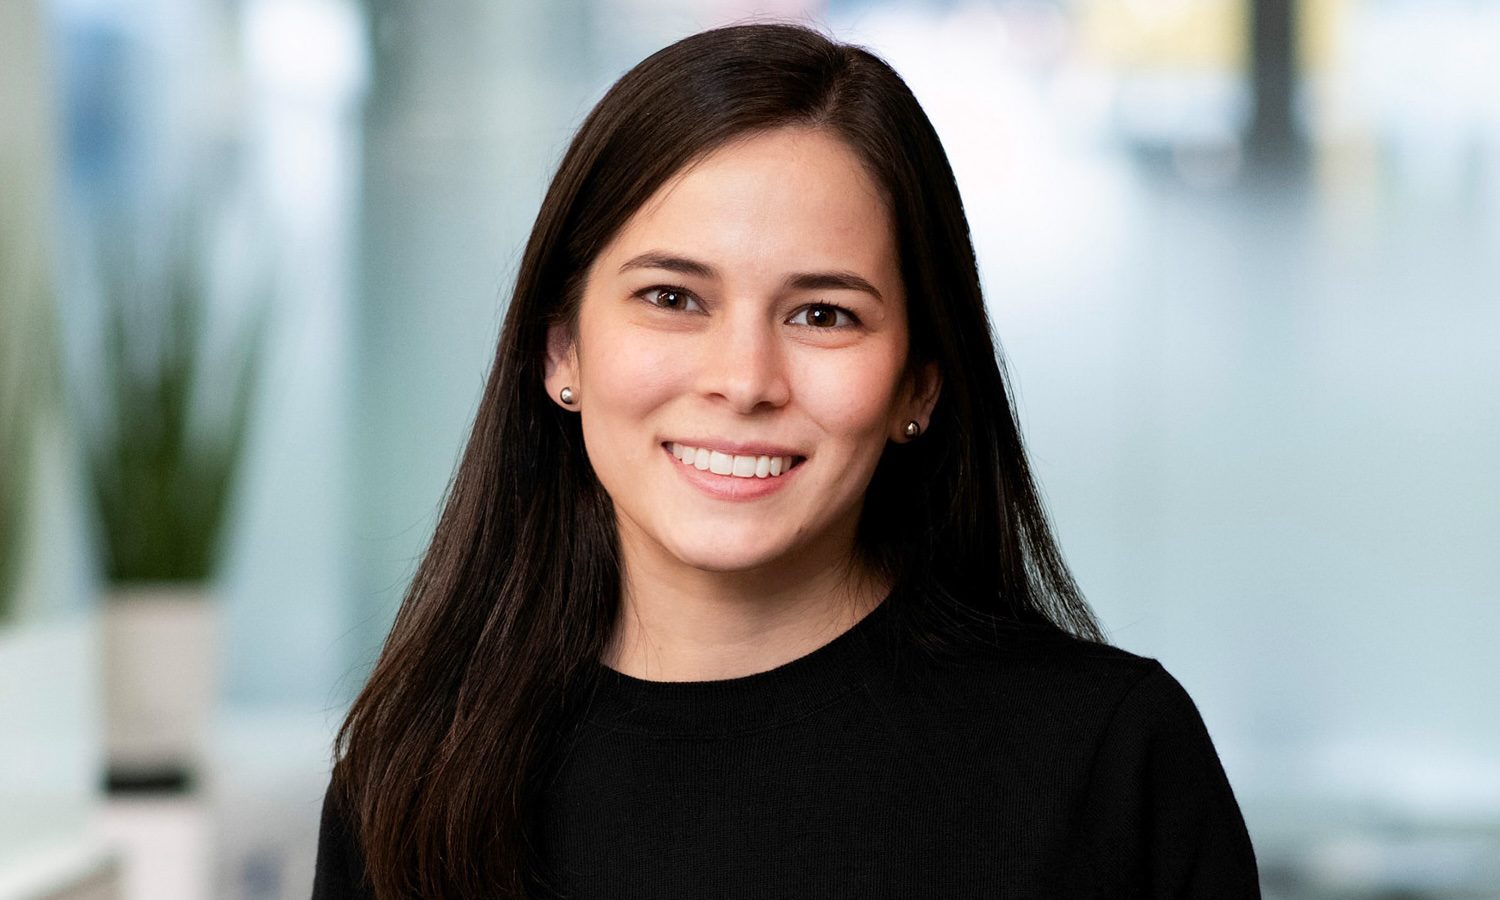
[{"x": 727, "y": 464}]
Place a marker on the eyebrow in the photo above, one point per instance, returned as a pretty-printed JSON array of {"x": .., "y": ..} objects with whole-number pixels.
[{"x": 804, "y": 281}]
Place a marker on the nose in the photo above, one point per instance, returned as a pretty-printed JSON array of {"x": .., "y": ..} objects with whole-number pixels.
[{"x": 744, "y": 362}]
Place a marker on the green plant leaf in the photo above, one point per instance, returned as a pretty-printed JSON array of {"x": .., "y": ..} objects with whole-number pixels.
[{"x": 161, "y": 479}]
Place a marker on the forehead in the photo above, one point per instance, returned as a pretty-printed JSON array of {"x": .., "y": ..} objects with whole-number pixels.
[{"x": 783, "y": 199}]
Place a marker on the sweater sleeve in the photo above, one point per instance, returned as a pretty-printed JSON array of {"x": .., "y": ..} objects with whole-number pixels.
[
  {"x": 1159, "y": 818},
  {"x": 340, "y": 871}
]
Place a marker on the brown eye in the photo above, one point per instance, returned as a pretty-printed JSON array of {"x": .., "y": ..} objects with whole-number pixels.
[
  {"x": 668, "y": 298},
  {"x": 824, "y": 315}
]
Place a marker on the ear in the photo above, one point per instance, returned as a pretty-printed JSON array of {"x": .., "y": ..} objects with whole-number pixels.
[
  {"x": 561, "y": 366},
  {"x": 923, "y": 386}
]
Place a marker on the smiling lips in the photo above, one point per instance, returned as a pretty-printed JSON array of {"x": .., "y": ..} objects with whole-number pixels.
[{"x": 735, "y": 465}]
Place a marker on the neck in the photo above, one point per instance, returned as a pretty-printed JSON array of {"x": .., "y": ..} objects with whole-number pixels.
[{"x": 679, "y": 623}]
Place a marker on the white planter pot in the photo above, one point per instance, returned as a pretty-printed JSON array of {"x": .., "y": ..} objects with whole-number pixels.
[
  {"x": 161, "y": 650},
  {"x": 49, "y": 734}
]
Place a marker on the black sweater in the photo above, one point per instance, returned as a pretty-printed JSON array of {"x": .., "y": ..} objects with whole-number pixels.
[{"x": 1045, "y": 766}]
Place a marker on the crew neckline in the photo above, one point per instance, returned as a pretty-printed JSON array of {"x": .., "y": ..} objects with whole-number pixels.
[{"x": 744, "y": 703}]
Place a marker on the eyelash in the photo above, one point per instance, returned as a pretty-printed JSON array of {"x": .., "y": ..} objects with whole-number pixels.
[{"x": 645, "y": 295}]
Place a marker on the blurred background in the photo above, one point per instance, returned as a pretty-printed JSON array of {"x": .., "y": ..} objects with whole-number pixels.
[{"x": 1243, "y": 257}]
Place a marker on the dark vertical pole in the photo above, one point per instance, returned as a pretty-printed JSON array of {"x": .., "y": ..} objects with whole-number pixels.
[{"x": 1274, "y": 145}]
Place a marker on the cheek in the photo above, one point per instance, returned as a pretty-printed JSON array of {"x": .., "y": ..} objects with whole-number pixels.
[
  {"x": 625, "y": 373},
  {"x": 850, "y": 397}
]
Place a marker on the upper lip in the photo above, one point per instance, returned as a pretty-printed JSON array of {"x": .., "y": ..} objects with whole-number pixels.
[{"x": 736, "y": 448}]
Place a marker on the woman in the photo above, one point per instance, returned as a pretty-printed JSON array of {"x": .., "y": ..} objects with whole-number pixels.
[{"x": 743, "y": 587}]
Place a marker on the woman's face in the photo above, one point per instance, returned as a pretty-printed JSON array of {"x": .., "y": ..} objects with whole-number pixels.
[{"x": 753, "y": 311}]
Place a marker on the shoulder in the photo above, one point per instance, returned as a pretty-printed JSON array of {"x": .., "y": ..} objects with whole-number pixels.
[
  {"x": 1157, "y": 805},
  {"x": 340, "y": 870},
  {"x": 1037, "y": 689},
  {"x": 1127, "y": 689},
  {"x": 1129, "y": 699},
  {"x": 1037, "y": 667},
  {"x": 1122, "y": 739}
]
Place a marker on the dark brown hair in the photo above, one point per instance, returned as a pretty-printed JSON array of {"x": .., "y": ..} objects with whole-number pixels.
[{"x": 442, "y": 757}]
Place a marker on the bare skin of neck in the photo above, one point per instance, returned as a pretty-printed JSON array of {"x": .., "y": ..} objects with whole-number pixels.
[{"x": 679, "y": 623}]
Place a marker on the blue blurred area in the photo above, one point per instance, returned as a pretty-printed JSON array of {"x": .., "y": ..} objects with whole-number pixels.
[
  {"x": 95, "y": 110},
  {"x": 1264, "y": 405}
]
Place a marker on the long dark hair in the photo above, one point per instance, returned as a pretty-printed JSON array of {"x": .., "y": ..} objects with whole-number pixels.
[{"x": 441, "y": 759}]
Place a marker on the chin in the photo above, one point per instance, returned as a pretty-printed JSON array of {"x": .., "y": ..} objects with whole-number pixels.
[{"x": 721, "y": 559}]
